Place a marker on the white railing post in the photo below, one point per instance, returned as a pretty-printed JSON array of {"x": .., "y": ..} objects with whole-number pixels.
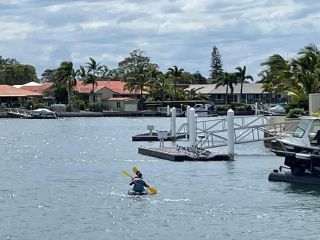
[
  {"x": 188, "y": 120},
  {"x": 256, "y": 108},
  {"x": 192, "y": 127},
  {"x": 168, "y": 110},
  {"x": 230, "y": 123},
  {"x": 173, "y": 121}
]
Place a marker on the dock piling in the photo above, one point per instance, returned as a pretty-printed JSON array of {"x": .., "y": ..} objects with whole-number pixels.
[
  {"x": 230, "y": 123},
  {"x": 192, "y": 127},
  {"x": 173, "y": 121}
]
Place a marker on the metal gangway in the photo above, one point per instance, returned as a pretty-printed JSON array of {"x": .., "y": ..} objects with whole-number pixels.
[{"x": 213, "y": 133}]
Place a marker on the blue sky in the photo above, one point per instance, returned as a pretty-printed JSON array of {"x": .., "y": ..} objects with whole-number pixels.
[{"x": 172, "y": 32}]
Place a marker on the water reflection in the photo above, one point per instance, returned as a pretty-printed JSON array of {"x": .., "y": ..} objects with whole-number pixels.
[{"x": 298, "y": 188}]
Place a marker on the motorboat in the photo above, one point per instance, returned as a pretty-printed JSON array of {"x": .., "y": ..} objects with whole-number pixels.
[
  {"x": 42, "y": 113},
  {"x": 304, "y": 139},
  {"x": 301, "y": 151},
  {"x": 278, "y": 109},
  {"x": 204, "y": 110}
]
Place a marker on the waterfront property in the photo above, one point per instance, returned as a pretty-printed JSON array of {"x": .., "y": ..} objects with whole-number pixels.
[
  {"x": 104, "y": 90},
  {"x": 15, "y": 97},
  {"x": 121, "y": 104},
  {"x": 251, "y": 93}
]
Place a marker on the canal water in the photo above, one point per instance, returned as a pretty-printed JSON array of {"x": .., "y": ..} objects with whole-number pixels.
[{"x": 61, "y": 179}]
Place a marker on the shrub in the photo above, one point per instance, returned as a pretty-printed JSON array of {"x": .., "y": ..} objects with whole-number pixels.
[
  {"x": 295, "y": 113},
  {"x": 96, "y": 107}
]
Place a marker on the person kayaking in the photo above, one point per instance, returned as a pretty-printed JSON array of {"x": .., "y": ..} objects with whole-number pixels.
[{"x": 138, "y": 183}]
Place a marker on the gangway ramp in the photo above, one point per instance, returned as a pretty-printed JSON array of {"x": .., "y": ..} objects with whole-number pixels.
[{"x": 213, "y": 133}]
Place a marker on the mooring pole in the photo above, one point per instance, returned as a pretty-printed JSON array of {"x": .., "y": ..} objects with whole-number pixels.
[
  {"x": 168, "y": 110},
  {"x": 230, "y": 123},
  {"x": 188, "y": 120},
  {"x": 256, "y": 108},
  {"x": 173, "y": 121},
  {"x": 192, "y": 127}
]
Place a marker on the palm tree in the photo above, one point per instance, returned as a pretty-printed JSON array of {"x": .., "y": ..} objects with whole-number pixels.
[
  {"x": 67, "y": 76},
  {"x": 175, "y": 73},
  {"x": 227, "y": 79},
  {"x": 299, "y": 76},
  {"x": 94, "y": 70},
  {"x": 242, "y": 77},
  {"x": 139, "y": 78}
]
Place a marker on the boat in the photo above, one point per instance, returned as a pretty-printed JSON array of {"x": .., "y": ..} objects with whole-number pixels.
[
  {"x": 42, "y": 113},
  {"x": 301, "y": 152},
  {"x": 299, "y": 168},
  {"x": 277, "y": 110},
  {"x": 133, "y": 193},
  {"x": 204, "y": 110},
  {"x": 304, "y": 139}
]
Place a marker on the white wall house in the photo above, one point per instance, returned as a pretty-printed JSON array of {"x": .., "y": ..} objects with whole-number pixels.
[
  {"x": 251, "y": 93},
  {"x": 121, "y": 104}
]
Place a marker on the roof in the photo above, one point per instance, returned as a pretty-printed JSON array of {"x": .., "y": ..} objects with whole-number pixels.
[
  {"x": 115, "y": 86},
  {"x": 39, "y": 88},
  {"x": 28, "y": 84},
  {"x": 82, "y": 88},
  {"x": 249, "y": 88},
  {"x": 9, "y": 91}
]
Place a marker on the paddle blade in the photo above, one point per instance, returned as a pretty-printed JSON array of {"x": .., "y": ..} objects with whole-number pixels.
[
  {"x": 126, "y": 173},
  {"x": 152, "y": 190},
  {"x": 135, "y": 170}
]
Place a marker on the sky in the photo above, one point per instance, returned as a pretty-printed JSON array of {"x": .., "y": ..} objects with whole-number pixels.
[{"x": 171, "y": 32}]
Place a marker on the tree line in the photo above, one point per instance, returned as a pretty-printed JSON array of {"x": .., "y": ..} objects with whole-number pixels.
[{"x": 298, "y": 76}]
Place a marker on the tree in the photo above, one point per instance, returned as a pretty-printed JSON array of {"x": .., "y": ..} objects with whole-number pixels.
[
  {"x": 139, "y": 78},
  {"x": 49, "y": 75},
  {"x": 137, "y": 71},
  {"x": 227, "y": 79},
  {"x": 91, "y": 73},
  {"x": 299, "y": 76},
  {"x": 14, "y": 73},
  {"x": 136, "y": 58},
  {"x": 66, "y": 75},
  {"x": 242, "y": 77},
  {"x": 198, "y": 78},
  {"x": 216, "y": 65},
  {"x": 175, "y": 73}
]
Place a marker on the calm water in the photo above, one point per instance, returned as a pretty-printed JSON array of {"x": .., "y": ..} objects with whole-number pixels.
[{"x": 61, "y": 179}]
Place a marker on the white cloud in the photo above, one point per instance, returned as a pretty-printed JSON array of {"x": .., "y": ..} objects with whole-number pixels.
[{"x": 172, "y": 32}]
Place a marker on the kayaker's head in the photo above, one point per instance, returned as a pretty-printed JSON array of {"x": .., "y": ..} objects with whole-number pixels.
[{"x": 139, "y": 174}]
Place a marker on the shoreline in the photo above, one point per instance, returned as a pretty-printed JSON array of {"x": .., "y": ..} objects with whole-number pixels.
[{"x": 122, "y": 114}]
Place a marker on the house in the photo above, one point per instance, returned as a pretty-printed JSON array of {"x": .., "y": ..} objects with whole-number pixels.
[
  {"x": 251, "y": 93},
  {"x": 15, "y": 97},
  {"x": 121, "y": 104},
  {"x": 104, "y": 90},
  {"x": 46, "y": 89}
]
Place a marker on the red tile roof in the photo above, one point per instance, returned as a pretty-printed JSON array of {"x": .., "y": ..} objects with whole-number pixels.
[
  {"x": 82, "y": 88},
  {"x": 9, "y": 91},
  {"x": 38, "y": 89},
  {"x": 114, "y": 86}
]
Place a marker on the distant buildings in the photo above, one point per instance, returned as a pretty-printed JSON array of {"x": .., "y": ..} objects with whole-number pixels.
[
  {"x": 251, "y": 93},
  {"x": 113, "y": 95}
]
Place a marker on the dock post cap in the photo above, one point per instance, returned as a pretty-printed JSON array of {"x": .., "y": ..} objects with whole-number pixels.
[{"x": 230, "y": 110}]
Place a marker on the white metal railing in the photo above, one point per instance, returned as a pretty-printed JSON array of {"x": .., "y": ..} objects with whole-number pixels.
[{"x": 213, "y": 133}]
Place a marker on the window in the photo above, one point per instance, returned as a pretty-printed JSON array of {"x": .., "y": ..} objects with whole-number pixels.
[
  {"x": 118, "y": 105},
  {"x": 301, "y": 128}
]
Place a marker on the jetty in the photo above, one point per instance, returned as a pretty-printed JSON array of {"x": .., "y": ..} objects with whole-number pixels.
[{"x": 181, "y": 153}]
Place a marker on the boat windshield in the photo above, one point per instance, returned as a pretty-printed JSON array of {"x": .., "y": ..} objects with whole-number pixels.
[{"x": 301, "y": 128}]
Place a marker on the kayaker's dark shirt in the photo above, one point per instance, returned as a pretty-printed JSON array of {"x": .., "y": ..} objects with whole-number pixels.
[{"x": 138, "y": 185}]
